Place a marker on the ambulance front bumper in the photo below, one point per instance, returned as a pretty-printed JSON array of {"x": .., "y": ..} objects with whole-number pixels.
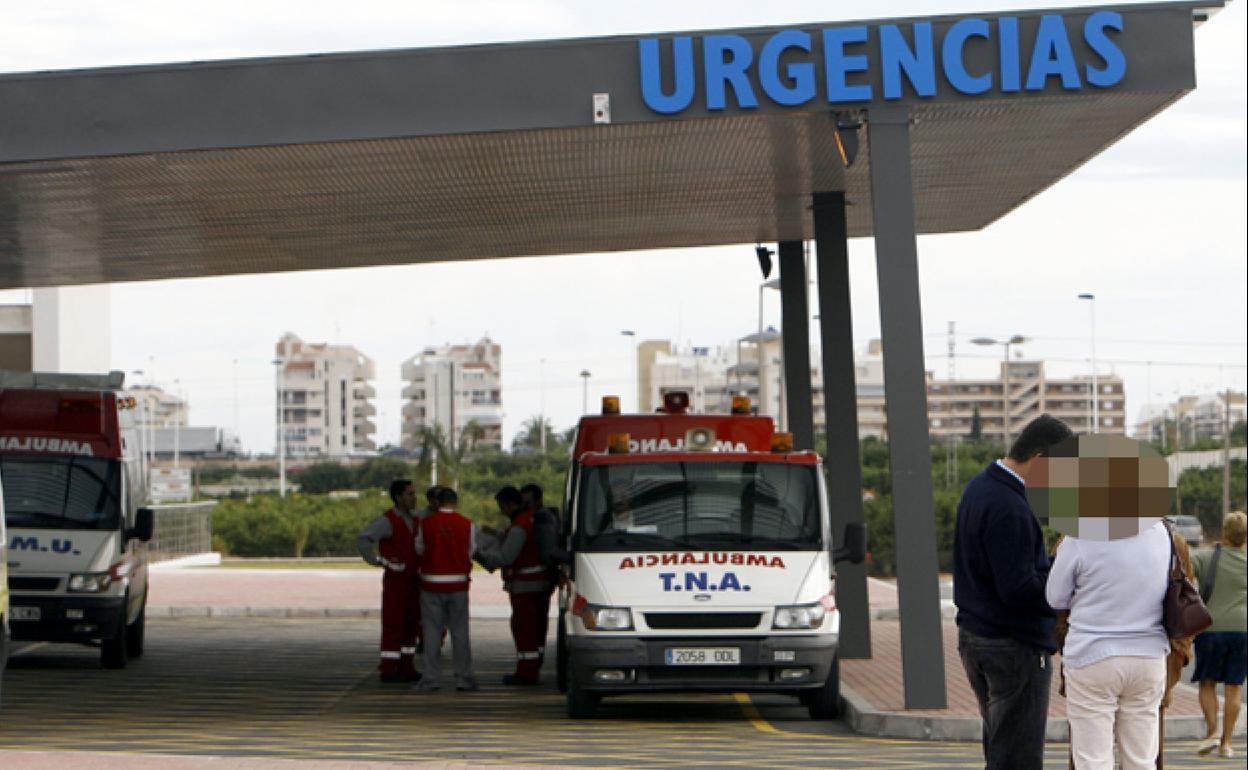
[
  {"x": 615, "y": 664},
  {"x": 64, "y": 618}
]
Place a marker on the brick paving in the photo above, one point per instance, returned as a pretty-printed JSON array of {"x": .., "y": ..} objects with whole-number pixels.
[
  {"x": 879, "y": 680},
  {"x": 303, "y": 589}
]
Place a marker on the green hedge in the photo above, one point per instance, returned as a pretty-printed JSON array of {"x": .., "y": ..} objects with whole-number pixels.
[{"x": 317, "y": 525}]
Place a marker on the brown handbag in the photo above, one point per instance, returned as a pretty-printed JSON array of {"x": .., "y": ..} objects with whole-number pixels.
[{"x": 1183, "y": 614}]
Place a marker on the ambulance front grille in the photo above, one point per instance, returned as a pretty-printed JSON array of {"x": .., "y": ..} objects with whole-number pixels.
[{"x": 675, "y": 620}]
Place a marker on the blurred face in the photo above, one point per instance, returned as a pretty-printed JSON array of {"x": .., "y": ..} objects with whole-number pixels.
[
  {"x": 407, "y": 498},
  {"x": 527, "y": 497}
]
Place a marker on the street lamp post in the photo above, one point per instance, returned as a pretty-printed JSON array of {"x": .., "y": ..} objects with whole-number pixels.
[
  {"x": 179, "y": 415},
  {"x": 1017, "y": 339},
  {"x": 1096, "y": 396},
  {"x": 145, "y": 448},
  {"x": 632, "y": 368},
  {"x": 585, "y": 375},
  {"x": 764, "y": 405},
  {"x": 281, "y": 431}
]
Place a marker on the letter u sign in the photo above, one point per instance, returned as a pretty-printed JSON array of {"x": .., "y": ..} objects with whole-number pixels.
[{"x": 682, "y": 87}]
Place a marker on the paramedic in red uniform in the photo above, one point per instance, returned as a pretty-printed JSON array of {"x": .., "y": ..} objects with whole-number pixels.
[
  {"x": 526, "y": 581},
  {"x": 389, "y": 541},
  {"x": 546, "y": 533},
  {"x": 446, "y": 542}
]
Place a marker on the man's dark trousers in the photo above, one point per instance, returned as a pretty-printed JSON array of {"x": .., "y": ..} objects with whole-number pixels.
[{"x": 1011, "y": 682}]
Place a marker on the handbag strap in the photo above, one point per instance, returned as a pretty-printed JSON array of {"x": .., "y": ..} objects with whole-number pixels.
[
  {"x": 1206, "y": 585},
  {"x": 1176, "y": 570}
]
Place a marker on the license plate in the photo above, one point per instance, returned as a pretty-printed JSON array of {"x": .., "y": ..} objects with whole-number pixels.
[
  {"x": 24, "y": 613},
  {"x": 703, "y": 656}
]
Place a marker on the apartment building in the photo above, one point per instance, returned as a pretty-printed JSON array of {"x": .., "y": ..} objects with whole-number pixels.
[
  {"x": 951, "y": 405},
  {"x": 1190, "y": 419},
  {"x": 454, "y": 386},
  {"x": 324, "y": 399},
  {"x": 158, "y": 408},
  {"x": 713, "y": 375}
]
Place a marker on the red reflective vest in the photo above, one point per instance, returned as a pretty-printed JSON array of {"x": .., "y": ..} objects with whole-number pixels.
[
  {"x": 446, "y": 564},
  {"x": 528, "y": 563},
  {"x": 400, "y": 547}
]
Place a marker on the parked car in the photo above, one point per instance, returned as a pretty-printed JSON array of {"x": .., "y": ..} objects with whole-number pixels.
[{"x": 1189, "y": 528}]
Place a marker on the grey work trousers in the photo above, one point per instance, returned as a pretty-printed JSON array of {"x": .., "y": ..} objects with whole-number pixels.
[{"x": 441, "y": 612}]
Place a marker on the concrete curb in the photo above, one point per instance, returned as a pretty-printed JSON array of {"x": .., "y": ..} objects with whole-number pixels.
[
  {"x": 947, "y": 611},
  {"x": 211, "y": 559},
  {"x": 865, "y": 719}
]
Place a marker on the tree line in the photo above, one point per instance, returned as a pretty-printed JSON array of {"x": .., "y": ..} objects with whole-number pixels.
[{"x": 311, "y": 523}]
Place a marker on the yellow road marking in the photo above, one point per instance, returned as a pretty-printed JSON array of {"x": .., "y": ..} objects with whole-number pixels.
[{"x": 751, "y": 713}]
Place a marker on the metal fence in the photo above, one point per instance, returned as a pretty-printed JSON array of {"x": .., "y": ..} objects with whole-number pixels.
[{"x": 181, "y": 529}]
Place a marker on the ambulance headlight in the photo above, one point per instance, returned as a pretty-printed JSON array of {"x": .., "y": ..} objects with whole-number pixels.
[
  {"x": 88, "y": 582},
  {"x": 799, "y": 616},
  {"x": 599, "y": 618}
]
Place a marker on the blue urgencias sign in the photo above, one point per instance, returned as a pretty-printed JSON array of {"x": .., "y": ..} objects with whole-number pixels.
[{"x": 848, "y": 69}]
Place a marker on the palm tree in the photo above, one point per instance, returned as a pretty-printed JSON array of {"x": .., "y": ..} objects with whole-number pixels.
[
  {"x": 451, "y": 451},
  {"x": 530, "y": 435}
]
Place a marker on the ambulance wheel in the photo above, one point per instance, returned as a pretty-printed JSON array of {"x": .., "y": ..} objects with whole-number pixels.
[
  {"x": 825, "y": 702},
  {"x": 581, "y": 703},
  {"x": 561, "y": 657},
  {"x": 135, "y": 633},
  {"x": 113, "y": 651}
]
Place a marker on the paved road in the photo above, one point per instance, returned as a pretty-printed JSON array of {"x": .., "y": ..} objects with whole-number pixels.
[{"x": 305, "y": 689}]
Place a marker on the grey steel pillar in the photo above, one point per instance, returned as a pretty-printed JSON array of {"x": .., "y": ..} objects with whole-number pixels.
[
  {"x": 795, "y": 328},
  {"x": 840, "y": 410},
  {"x": 905, "y": 393}
]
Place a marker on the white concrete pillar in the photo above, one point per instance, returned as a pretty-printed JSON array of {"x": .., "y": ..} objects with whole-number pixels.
[{"x": 71, "y": 329}]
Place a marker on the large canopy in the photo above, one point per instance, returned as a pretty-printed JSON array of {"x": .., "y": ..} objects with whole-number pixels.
[{"x": 476, "y": 152}]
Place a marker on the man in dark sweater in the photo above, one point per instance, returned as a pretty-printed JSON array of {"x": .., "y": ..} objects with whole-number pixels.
[{"x": 1005, "y": 626}]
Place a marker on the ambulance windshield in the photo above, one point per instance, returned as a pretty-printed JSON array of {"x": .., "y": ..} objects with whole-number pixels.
[
  {"x": 48, "y": 492},
  {"x": 698, "y": 505}
]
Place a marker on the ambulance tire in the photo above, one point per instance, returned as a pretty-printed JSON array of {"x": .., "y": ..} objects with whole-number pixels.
[
  {"x": 825, "y": 702},
  {"x": 581, "y": 703},
  {"x": 135, "y": 633},
  {"x": 113, "y": 651},
  {"x": 561, "y": 657}
]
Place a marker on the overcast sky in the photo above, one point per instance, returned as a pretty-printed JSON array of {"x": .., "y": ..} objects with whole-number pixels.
[{"x": 1155, "y": 227}]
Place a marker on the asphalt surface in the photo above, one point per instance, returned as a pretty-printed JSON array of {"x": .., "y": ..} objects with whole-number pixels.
[{"x": 305, "y": 689}]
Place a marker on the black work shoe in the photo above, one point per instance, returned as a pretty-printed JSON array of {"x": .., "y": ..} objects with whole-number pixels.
[
  {"x": 420, "y": 646},
  {"x": 391, "y": 678},
  {"x": 515, "y": 680},
  {"x": 411, "y": 677}
]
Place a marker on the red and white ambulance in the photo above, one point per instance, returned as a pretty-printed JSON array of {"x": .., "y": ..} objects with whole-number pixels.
[
  {"x": 74, "y": 497},
  {"x": 702, "y": 560}
]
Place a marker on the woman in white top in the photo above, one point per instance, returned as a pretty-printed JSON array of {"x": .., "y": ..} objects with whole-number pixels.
[{"x": 1114, "y": 658}]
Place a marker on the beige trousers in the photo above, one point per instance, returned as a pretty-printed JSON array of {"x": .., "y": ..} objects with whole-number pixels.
[{"x": 1115, "y": 698}]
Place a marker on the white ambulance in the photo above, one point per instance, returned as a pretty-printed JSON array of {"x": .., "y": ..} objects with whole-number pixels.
[
  {"x": 74, "y": 497},
  {"x": 4, "y": 593},
  {"x": 702, "y": 561}
]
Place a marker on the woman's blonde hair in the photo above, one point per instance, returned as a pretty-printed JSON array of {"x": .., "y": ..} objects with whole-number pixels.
[{"x": 1235, "y": 529}]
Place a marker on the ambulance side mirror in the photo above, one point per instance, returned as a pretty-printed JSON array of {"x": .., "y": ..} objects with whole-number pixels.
[
  {"x": 853, "y": 547},
  {"x": 144, "y": 525}
]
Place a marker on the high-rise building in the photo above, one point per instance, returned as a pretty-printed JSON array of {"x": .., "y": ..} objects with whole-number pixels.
[
  {"x": 1191, "y": 419},
  {"x": 158, "y": 408},
  {"x": 952, "y": 405},
  {"x": 454, "y": 387},
  {"x": 713, "y": 375},
  {"x": 324, "y": 398}
]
